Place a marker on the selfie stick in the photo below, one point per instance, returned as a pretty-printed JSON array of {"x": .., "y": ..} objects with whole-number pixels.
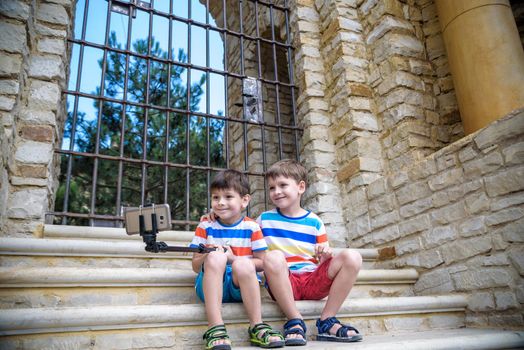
[{"x": 153, "y": 246}]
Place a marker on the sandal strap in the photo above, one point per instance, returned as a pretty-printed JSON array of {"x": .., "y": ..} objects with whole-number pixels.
[
  {"x": 288, "y": 327},
  {"x": 325, "y": 325},
  {"x": 215, "y": 333},
  {"x": 267, "y": 329}
]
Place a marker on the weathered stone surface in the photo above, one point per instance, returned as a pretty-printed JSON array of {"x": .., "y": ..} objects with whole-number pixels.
[
  {"x": 10, "y": 64},
  {"x": 447, "y": 196},
  {"x": 46, "y": 67},
  {"x": 43, "y": 95},
  {"x": 481, "y": 301},
  {"x": 514, "y": 154},
  {"x": 7, "y": 103},
  {"x": 34, "y": 152},
  {"x": 446, "y": 179},
  {"x": 408, "y": 246},
  {"x": 27, "y": 204},
  {"x": 9, "y": 87},
  {"x": 499, "y": 130},
  {"x": 52, "y": 13},
  {"x": 435, "y": 281},
  {"x": 40, "y": 133},
  {"x": 413, "y": 191},
  {"x": 446, "y": 321},
  {"x": 38, "y": 117},
  {"x": 449, "y": 213},
  {"x": 477, "y": 202},
  {"x": 427, "y": 259},
  {"x": 511, "y": 180},
  {"x": 13, "y": 38},
  {"x": 384, "y": 219},
  {"x": 385, "y": 235},
  {"x": 438, "y": 236},
  {"x": 57, "y": 343},
  {"x": 506, "y": 215},
  {"x": 505, "y": 300},
  {"x": 416, "y": 224},
  {"x": 484, "y": 165},
  {"x": 472, "y": 227},
  {"x": 500, "y": 259},
  {"x": 14, "y": 9},
  {"x": 517, "y": 258},
  {"x": 474, "y": 279},
  {"x": 415, "y": 208},
  {"x": 52, "y": 46},
  {"x": 463, "y": 249},
  {"x": 382, "y": 205},
  {"x": 386, "y": 24},
  {"x": 377, "y": 188},
  {"x": 423, "y": 169},
  {"x": 513, "y": 232}
]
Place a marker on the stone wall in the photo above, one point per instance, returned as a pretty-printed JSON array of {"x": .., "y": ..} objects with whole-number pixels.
[
  {"x": 33, "y": 53},
  {"x": 458, "y": 218}
]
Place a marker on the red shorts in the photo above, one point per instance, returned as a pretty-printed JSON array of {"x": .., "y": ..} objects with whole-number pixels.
[{"x": 310, "y": 285}]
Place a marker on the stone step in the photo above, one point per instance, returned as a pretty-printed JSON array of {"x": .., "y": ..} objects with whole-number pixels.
[
  {"x": 101, "y": 253},
  {"x": 370, "y": 315},
  {"x": 448, "y": 339},
  {"x": 23, "y": 287}
]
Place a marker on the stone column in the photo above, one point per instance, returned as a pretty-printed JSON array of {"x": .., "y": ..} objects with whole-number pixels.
[{"x": 486, "y": 58}]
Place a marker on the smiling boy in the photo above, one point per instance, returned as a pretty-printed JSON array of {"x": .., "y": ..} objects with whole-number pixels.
[
  {"x": 228, "y": 274},
  {"x": 300, "y": 265}
]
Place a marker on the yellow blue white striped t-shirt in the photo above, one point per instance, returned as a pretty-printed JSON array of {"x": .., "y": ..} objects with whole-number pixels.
[{"x": 295, "y": 237}]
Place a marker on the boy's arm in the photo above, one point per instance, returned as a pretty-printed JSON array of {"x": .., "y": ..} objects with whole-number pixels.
[
  {"x": 258, "y": 259},
  {"x": 197, "y": 261}
]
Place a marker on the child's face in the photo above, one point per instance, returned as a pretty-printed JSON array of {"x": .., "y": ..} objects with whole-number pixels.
[
  {"x": 228, "y": 205},
  {"x": 285, "y": 192}
]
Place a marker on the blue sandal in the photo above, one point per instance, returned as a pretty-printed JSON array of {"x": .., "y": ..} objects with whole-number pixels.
[
  {"x": 288, "y": 329},
  {"x": 342, "y": 333}
]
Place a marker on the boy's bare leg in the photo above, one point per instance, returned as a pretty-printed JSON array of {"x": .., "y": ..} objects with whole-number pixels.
[
  {"x": 244, "y": 276},
  {"x": 277, "y": 275},
  {"x": 214, "y": 268},
  {"x": 343, "y": 270}
]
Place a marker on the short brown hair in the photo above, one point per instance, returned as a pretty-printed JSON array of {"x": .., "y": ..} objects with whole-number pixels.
[
  {"x": 289, "y": 168},
  {"x": 231, "y": 179}
]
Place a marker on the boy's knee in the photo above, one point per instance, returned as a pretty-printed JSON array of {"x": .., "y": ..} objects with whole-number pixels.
[
  {"x": 243, "y": 267},
  {"x": 274, "y": 259},
  {"x": 215, "y": 260},
  {"x": 351, "y": 259}
]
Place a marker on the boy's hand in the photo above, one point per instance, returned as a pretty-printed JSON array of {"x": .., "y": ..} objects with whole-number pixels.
[
  {"x": 211, "y": 216},
  {"x": 323, "y": 252},
  {"x": 229, "y": 253}
]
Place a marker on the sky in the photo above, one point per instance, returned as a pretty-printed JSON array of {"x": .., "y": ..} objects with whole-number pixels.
[{"x": 95, "y": 32}]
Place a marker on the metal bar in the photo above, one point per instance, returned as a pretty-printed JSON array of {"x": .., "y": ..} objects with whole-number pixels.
[
  {"x": 92, "y": 208},
  {"x": 168, "y": 103},
  {"x": 226, "y": 92},
  {"x": 277, "y": 90},
  {"x": 208, "y": 100},
  {"x": 188, "y": 115},
  {"x": 292, "y": 83}
]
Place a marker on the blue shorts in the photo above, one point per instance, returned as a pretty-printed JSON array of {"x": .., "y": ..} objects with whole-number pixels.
[{"x": 230, "y": 292}]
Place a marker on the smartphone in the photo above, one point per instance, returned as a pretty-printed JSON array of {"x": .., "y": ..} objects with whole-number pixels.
[{"x": 163, "y": 218}]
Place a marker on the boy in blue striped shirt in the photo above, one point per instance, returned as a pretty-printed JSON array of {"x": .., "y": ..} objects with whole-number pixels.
[{"x": 300, "y": 265}]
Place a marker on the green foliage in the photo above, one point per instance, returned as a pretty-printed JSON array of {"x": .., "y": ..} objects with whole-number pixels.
[{"x": 152, "y": 134}]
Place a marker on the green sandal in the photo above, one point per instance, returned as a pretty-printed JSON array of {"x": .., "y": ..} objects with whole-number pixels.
[
  {"x": 216, "y": 333},
  {"x": 260, "y": 334}
]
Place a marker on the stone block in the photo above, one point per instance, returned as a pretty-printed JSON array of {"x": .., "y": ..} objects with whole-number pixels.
[
  {"x": 447, "y": 196},
  {"x": 13, "y": 38},
  {"x": 449, "y": 213},
  {"x": 507, "y": 201},
  {"x": 427, "y": 259},
  {"x": 52, "y": 13},
  {"x": 514, "y": 154},
  {"x": 376, "y": 188},
  {"x": 500, "y": 259},
  {"x": 484, "y": 165},
  {"x": 46, "y": 67},
  {"x": 10, "y": 64},
  {"x": 500, "y": 130},
  {"x": 511, "y": 180},
  {"x": 34, "y": 152},
  {"x": 398, "y": 179},
  {"x": 37, "y": 117},
  {"x": 43, "y": 95},
  {"x": 438, "y": 236},
  {"x": 472, "y": 227},
  {"x": 9, "y": 87},
  {"x": 52, "y": 46},
  {"x": 395, "y": 324},
  {"x": 467, "y": 153},
  {"x": 446, "y": 179},
  {"x": 408, "y": 246},
  {"x": 7, "y": 103},
  {"x": 475, "y": 279},
  {"x": 15, "y": 9},
  {"x": 413, "y": 191},
  {"x": 477, "y": 202},
  {"x": 517, "y": 258},
  {"x": 39, "y": 133},
  {"x": 463, "y": 249},
  {"x": 400, "y": 78},
  {"x": 416, "y": 224},
  {"x": 505, "y": 215},
  {"x": 74, "y": 342},
  {"x": 28, "y": 181},
  {"x": 438, "y": 280},
  {"x": 385, "y": 235},
  {"x": 446, "y": 161},
  {"x": 27, "y": 204},
  {"x": 481, "y": 301},
  {"x": 386, "y": 24},
  {"x": 446, "y": 321},
  {"x": 364, "y": 121},
  {"x": 401, "y": 44},
  {"x": 384, "y": 219},
  {"x": 520, "y": 293},
  {"x": 383, "y": 204},
  {"x": 422, "y": 169},
  {"x": 513, "y": 232},
  {"x": 507, "y": 319},
  {"x": 32, "y": 171},
  {"x": 505, "y": 300},
  {"x": 415, "y": 208}
]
